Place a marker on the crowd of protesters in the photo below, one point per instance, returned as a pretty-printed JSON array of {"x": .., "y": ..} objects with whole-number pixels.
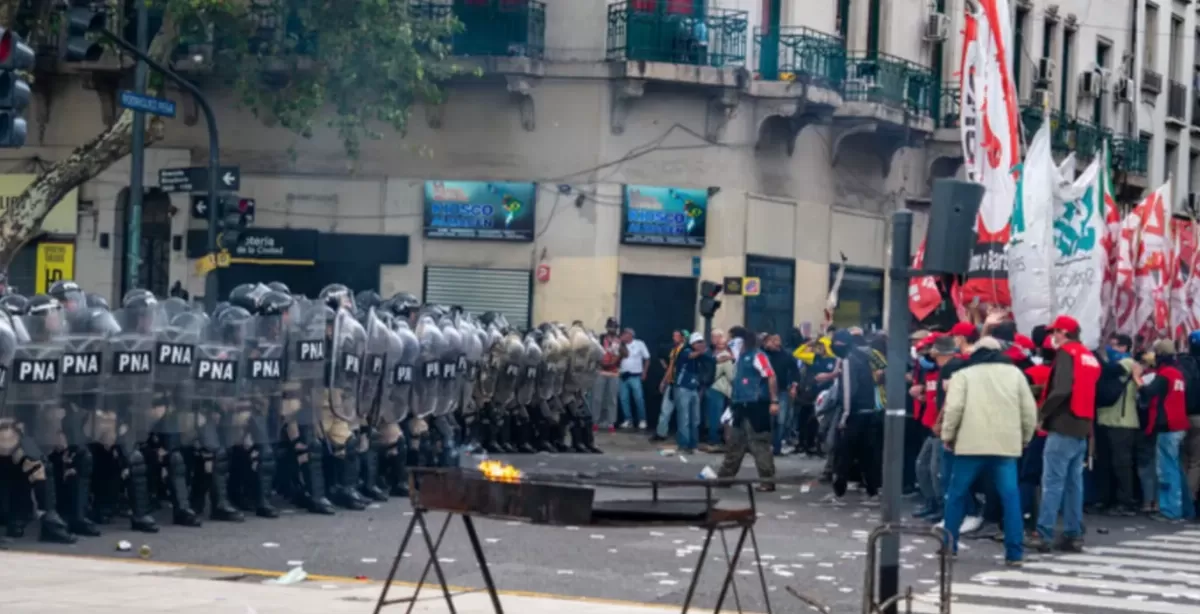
[{"x": 1009, "y": 433}]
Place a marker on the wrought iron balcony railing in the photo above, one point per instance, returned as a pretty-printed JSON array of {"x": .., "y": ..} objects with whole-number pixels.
[
  {"x": 797, "y": 53},
  {"x": 1060, "y": 126},
  {"x": 948, "y": 112},
  {"x": 890, "y": 80},
  {"x": 640, "y": 30},
  {"x": 1131, "y": 155}
]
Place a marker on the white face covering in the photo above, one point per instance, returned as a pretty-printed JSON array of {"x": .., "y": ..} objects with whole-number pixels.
[
  {"x": 1037, "y": 360},
  {"x": 735, "y": 346},
  {"x": 913, "y": 352}
]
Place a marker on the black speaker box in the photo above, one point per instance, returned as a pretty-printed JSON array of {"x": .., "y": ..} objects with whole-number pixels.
[{"x": 950, "y": 237}]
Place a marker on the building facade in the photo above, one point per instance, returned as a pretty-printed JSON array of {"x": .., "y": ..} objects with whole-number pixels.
[{"x": 613, "y": 154}]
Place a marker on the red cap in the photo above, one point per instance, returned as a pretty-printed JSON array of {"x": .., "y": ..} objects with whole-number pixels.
[
  {"x": 927, "y": 341},
  {"x": 1048, "y": 343},
  {"x": 1023, "y": 342},
  {"x": 963, "y": 329},
  {"x": 1066, "y": 324}
]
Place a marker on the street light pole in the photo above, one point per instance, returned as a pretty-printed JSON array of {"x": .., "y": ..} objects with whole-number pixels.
[
  {"x": 214, "y": 155},
  {"x": 133, "y": 233}
]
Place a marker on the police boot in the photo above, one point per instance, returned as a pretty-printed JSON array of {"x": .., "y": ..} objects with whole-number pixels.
[
  {"x": 242, "y": 479},
  {"x": 369, "y": 467},
  {"x": 154, "y": 482},
  {"x": 182, "y": 513},
  {"x": 487, "y": 436},
  {"x": 351, "y": 476},
  {"x": 589, "y": 436},
  {"x": 219, "y": 491},
  {"x": 560, "y": 435},
  {"x": 106, "y": 483},
  {"x": 78, "y": 482},
  {"x": 577, "y": 438},
  {"x": 139, "y": 495},
  {"x": 397, "y": 459},
  {"x": 52, "y": 527},
  {"x": 335, "y": 471},
  {"x": 313, "y": 474},
  {"x": 20, "y": 505},
  {"x": 266, "y": 477},
  {"x": 523, "y": 429}
]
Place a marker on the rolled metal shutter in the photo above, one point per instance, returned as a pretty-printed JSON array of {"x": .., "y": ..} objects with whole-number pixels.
[{"x": 480, "y": 290}]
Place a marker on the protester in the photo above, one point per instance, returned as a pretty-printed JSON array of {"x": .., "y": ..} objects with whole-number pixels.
[
  {"x": 787, "y": 375},
  {"x": 989, "y": 416},
  {"x": 717, "y": 396},
  {"x": 1118, "y": 433},
  {"x": 605, "y": 390},
  {"x": 692, "y": 372},
  {"x": 858, "y": 421},
  {"x": 1066, "y": 415},
  {"x": 964, "y": 335},
  {"x": 940, "y": 350},
  {"x": 635, "y": 365},
  {"x": 755, "y": 397},
  {"x": 1164, "y": 391},
  {"x": 667, "y": 385},
  {"x": 1189, "y": 365}
]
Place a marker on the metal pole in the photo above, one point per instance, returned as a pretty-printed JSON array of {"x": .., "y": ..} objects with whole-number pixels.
[
  {"x": 133, "y": 233},
  {"x": 707, "y": 329},
  {"x": 897, "y": 412},
  {"x": 214, "y": 154}
]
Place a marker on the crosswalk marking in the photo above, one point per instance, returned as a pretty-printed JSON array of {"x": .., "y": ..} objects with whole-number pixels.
[
  {"x": 1116, "y": 585},
  {"x": 1163, "y": 545},
  {"x": 925, "y": 607},
  {"x": 1175, "y": 538},
  {"x": 1073, "y": 599},
  {"x": 1174, "y": 556},
  {"x": 1059, "y": 569},
  {"x": 1113, "y": 560}
]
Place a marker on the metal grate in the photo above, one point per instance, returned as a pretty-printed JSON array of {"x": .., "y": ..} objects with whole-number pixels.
[{"x": 480, "y": 290}]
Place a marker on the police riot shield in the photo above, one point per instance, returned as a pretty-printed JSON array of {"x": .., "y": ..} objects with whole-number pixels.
[
  {"x": 36, "y": 379},
  {"x": 544, "y": 385},
  {"x": 452, "y": 360},
  {"x": 86, "y": 356},
  {"x": 306, "y": 362},
  {"x": 219, "y": 364},
  {"x": 129, "y": 390},
  {"x": 266, "y": 372},
  {"x": 579, "y": 355},
  {"x": 174, "y": 357},
  {"x": 8, "y": 347},
  {"x": 527, "y": 378},
  {"x": 402, "y": 372},
  {"x": 427, "y": 387},
  {"x": 348, "y": 351},
  {"x": 475, "y": 342},
  {"x": 561, "y": 360},
  {"x": 488, "y": 365},
  {"x": 374, "y": 382},
  {"x": 509, "y": 358}
]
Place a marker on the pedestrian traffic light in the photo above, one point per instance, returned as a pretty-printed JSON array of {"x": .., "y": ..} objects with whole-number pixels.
[
  {"x": 235, "y": 217},
  {"x": 83, "y": 18},
  {"x": 709, "y": 291},
  {"x": 15, "y": 57}
]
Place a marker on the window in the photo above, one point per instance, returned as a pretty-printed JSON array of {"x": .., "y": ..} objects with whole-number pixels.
[
  {"x": 860, "y": 298},
  {"x": 1103, "y": 55},
  {"x": 1169, "y": 163},
  {"x": 1066, "y": 70},
  {"x": 1019, "y": 48},
  {"x": 1150, "y": 40},
  {"x": 1175, "y": 62},
  {"x": 1048, "y": 38},
  {"x": 843, "y": 19},
  {"x": 873, "y": 18}
]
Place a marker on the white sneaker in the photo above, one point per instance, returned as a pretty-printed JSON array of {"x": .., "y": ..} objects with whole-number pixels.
[
  {"x": 834, "y": 500},
  {"x": 642, "y": 425},
  {"x": 871, "y": 501},
  {"x": 970, "y": 524},
  {"x": 941, "y": 524},
  {"x": 624, "y": 425}
]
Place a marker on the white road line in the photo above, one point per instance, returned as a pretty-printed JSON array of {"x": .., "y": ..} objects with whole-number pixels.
[
  {"x": 1163, "y": 576},
  {"x": 1158, "y": 554},
  {"x": 1115, "y": 560},
  {"x": 1074, "y": 599},
  {"x": 1163, "y": 545},
  {"x": 1116, "y": 585},
  {"x": 1175, "y": 538},
  {"x": 1189, "y": 533},
  {"x": 960, "y": 607}
]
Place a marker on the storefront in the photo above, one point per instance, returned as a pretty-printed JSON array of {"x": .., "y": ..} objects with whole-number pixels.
[
  {"x": 50, "y": 257},
  {"x": 773, "y": 310},
  {"x": 506, "y": 291},
  {"x": 860, "y": 299}
]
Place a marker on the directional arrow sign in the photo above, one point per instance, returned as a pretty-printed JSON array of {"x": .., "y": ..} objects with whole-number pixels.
[
  {"x": 199, "y": 207},
  {"x": 195, "y": 179}
]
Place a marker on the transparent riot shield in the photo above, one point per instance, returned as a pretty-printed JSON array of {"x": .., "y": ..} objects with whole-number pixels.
[
  {"x": 374, "y": 381},
  {"x": 403, "y": 371},
  {"x": 174, "y": 358},
  {"x": 473, "y": 348},
  {"x": 561, "y": 360},
  {"x": 266, "y": 371},
  {"x": 527, "y": 382},
  {"x": 86, "y": 356},
  {"x": 306, "y": 363},
  {"x": 579, "y": 352},
  {"x": 129, "y": 393},
  {"x": 452, "y": 360},
  {"x": 508, "y": 357},
  {"x": 544, "y": 386},
  {"x": 488, "y": 364},
  {"x": 8, "y": 348},
  {"x": 36, "y": 378},
  {"x": 348, "y": 351},
  {"x": 427, "y": 387},
  {"x": 219, "y": 365}
]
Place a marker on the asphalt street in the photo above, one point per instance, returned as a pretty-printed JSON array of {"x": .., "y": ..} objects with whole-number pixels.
[{"x": 804, "y": 543}]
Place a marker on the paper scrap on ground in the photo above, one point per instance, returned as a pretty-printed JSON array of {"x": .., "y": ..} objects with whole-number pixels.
[
  {"x": 270, "y": 545},
  {"x": 295, "y": 576},
  {"x": 370, "y": 561},
  {"x": 668, "y": 582},
  {"x": 295, "y": 563},
  {"x": 565, "y": 572},
  {"x": 492, "y": 540},
  {"x": 596, "y": 536}
]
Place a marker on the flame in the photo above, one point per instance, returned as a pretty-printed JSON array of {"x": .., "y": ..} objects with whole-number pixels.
[{"x": 499, "y": 472}]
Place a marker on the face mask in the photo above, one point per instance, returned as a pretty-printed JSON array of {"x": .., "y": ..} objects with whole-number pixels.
[
  {"x": 913, "y": 352},
  {"x": 1037, "y": 360},
  {"x": 841, "y": 351},
  {"x": 926, "y": 364}
]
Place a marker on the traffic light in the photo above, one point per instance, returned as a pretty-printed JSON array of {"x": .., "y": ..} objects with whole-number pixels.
[
  {"x": 83, "y": 18},
  {"x": 709, "y": 291},
  {"x": 236, "y": 215},
  {"x": 14, "y": 91}
]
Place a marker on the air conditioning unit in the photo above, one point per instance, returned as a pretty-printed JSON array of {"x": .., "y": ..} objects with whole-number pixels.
[
  {"x": 1047, "y": 70},
  {"x": 937, "y": 27},
  {"x": 1089, "y": 84},
  {"x": 1041, "y": 99},
  {"x": 1123, "y": 89}
]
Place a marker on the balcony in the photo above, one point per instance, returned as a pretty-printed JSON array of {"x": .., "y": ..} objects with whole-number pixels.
[
  {"x": 890, "y": 81},
  {"x": 1177, "y": 101},
  {"x": 1152, "y": 82},
  {"x": 947, "y": 112},
  {"x": 801, "y": 55},
  {"x": 1060, "y": 127},
  {"x": 1130, "y": 155},
  {"x": 492, "y": 28},
  {"x": 646, "y": 31},
  {"x": 1088, "y": 138}
]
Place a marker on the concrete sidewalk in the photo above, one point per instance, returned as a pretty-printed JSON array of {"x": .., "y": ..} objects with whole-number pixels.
[{"x": 46, "y": 584}]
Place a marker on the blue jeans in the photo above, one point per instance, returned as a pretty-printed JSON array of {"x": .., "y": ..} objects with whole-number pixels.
[
  {"x": 927, "y": 460},
  {"x": 632, "y": 387},
  {"x": 664, "y": 414},
  {"x": 1003, "y": 472},
  {"x": 946, "y": 470},
  {"x": 687, "y": 417},
  {"x": 1171, "y": 481},
  {"x": 714, "y": 406},
  {"x": 1062, "y": 486},
  {"x": 782, "y": 423}
]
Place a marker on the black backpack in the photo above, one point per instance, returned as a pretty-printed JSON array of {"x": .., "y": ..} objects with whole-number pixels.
[{"x": 1111, "y": 386}]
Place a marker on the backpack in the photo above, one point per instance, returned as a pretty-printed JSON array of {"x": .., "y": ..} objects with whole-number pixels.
[
  {"x": 1111, "y": 386},
  {"x": 1191, "y": 377}
]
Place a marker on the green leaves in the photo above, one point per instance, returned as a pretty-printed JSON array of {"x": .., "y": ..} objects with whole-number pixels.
[{"x": 356, "y": 66}]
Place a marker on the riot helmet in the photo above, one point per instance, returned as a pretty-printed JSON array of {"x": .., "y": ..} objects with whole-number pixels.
[
  {"x": 232, "y": 325},
  {"x": 189, "y": 320},
  {"x": 405, "y": 303},
  {"x": 337, "y": 296},
  {"x": 247, "y": 296},
  {"x": 367, "y": 300},
  {"x": 140, "y": 313},
  {"x": 275, "y": 303},
  {"x": 279, "y": 286},
  {"x": 135, "y": 294},
  {"x": 8, "y": 344},
  {"x": 96, "y": 301},
  {"x": 44, "y": 318},
  {"x": 68, "y": 294},
  {"x": 14, "y": 304}
]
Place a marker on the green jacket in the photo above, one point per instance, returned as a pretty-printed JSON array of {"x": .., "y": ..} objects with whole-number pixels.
[{"x": 1124, "y": 413}]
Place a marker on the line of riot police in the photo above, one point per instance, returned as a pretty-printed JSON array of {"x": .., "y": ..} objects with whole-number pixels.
[{"x": 326, "y": 402}]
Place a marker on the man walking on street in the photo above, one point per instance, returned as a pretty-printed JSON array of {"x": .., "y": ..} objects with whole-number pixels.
[
  {"x": 693, "y": 367},
  {"x": 787, "y": 375},
  {"x": 755, "y": 402},
  {"x": 989, "y": 417},
  {"x": 1066, "y": 415},
  {"x": 634, "y": 367}
]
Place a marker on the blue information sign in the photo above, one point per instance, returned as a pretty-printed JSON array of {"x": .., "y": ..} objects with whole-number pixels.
[{"x": 149, "y": 104}]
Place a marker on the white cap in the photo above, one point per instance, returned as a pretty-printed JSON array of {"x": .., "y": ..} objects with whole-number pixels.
[{"x": 696, "y": 337}]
